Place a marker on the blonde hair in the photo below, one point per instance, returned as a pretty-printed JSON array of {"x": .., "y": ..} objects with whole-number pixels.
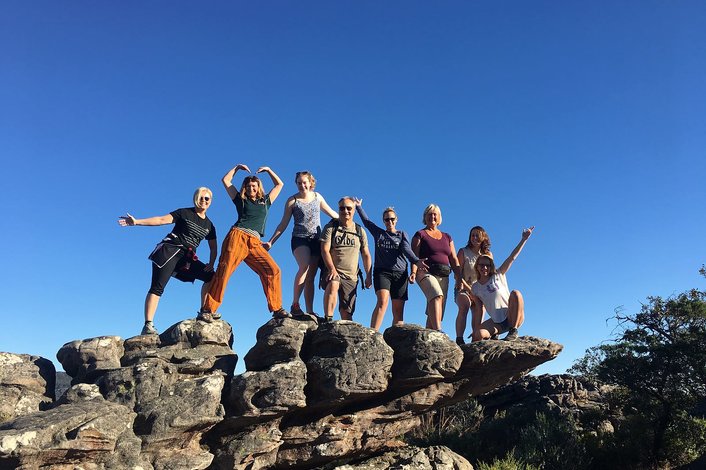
[
  {"x": 260, "y": 190},
  {"x": 308, "y": 174},
  {"x": 200, "y": 190},
  {"x": 389, "y": 209},
  {"x": 431, "y": 208}
]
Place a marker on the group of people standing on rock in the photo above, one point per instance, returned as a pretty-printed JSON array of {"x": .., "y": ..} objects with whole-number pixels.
[{"x": 336, "y": 250}]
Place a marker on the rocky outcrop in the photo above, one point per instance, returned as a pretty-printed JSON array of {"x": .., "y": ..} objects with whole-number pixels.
[
  {"x": 85, "y": 431},
  {"x": 564, "y": 394},
  {"x": 312, "y": 396},
  {"x": 26, "y": 384},
  {"x": 413, "y": 458}
]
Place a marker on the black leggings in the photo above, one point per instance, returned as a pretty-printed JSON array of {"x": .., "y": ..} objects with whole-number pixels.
[{"x": 160, "y": 276}]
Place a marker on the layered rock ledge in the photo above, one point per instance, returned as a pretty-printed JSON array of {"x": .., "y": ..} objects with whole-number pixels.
[{"x": 337, "y": 395}]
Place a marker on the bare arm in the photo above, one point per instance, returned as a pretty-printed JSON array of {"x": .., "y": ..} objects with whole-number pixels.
[
  {"x": 128, "y": 221},
  {"x": 282, "y": 224},
  {"x": 325, "y": 207},
  {"x": 328, "y": 261},
  {"x": 227, "y": 179},
  {"x": 213, "y": 246},
  {"x": 275, "y": 180},
  {"x": 526, "y": 233},
  {"x": 453, "y": 261},
  {"x": 416, "y": 241},
  {"x": 368, "y": 265},
  {"x": 461, "y": 261}
]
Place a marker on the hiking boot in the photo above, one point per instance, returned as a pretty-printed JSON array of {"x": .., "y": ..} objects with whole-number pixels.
[
  {"x": 296, "y": 310},
  {"x": 205, "y": 316},
  {"x": 327, "y": 319},
  {"x": 149, "y": 329},
  {"x": 460, "y": 341},
  {"x": 511, "y": 335},
  {"x": 281, "y": 313}
]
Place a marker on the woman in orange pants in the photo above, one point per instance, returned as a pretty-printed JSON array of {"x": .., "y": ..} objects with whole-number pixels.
[{"x": 243, "y": 243}]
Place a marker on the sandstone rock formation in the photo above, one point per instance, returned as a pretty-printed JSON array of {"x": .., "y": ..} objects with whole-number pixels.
[
  {"x": 26, "y": 384},
  {"x": 336, "y": 394}
]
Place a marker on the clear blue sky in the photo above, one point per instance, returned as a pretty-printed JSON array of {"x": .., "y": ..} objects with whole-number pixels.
[{"x": 585, "y": 119}]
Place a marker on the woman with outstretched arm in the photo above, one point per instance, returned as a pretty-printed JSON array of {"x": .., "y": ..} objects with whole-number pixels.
[
  {"x": 506, "y": 309},
  {"x": 390, "y": 278},
  {"x": 175, "y": 255}
]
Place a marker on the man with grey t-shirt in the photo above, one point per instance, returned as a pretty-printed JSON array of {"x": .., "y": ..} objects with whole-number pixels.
[{"x": 342, "y": 241}]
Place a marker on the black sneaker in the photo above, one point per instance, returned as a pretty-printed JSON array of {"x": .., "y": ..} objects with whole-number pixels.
[
  {"x": 296, "y": 310},
  {"x": 205, "y": 316},
  {"x": 460, "y": 341},
  {"x": 511, "y": 335},
  {"x": 327, "y": 319},
  {"x": 281, "y": 313},
  {"x": 149, "y": 329}
]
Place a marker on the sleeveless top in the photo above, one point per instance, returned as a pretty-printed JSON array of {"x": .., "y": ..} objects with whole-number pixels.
[
  {"x": 468, "y": 270},
  {"x": 307, "y": 218}
]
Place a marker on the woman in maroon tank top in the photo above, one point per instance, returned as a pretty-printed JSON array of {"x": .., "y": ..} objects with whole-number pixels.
[{"x": 437, "y": 249}]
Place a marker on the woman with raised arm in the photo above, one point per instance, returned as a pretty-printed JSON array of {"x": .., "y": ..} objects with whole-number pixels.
[
  {"x": 437, "y": 249},
  {"x": 478, "y": 244},
  {"x": 305, "y": 206},
  {"x": 390, "y": 279},
  {"x": 506, "y": 309},
  {"x": 175, "y": 255},
  {"x": 243, "y": 243}
]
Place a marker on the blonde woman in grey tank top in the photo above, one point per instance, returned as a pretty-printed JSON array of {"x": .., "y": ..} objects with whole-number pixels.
[{"x": 305, "y": 206}]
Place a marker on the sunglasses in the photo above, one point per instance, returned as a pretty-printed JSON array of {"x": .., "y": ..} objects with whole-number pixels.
[
  {"x": 204, "y": 198},
  {"x": 483, "y": 265},
  {"x": 390, "y": 219}
]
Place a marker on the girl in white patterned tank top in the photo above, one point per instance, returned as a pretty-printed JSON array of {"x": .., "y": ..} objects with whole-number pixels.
[{"x": 306, "y": 206}]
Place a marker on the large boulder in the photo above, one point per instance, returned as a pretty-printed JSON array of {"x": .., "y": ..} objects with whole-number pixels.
[
  {"x": 86, "y": 432},
  {"x": 85, "y": 360},
  {"x": 278, "y": 341},
  {"x": 346, "y": 361},
  {"x": 271, "y": 392},
  {"x": 26, "y": 384},
  {"x": 422, "y": 356}
]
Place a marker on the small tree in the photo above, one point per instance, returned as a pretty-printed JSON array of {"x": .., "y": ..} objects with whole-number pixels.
[{"x": 659, "y": 359}]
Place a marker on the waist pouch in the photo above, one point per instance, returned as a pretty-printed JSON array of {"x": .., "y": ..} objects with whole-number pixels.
[
  {"x": 441, "y": 270},
  {"x": 163, "y": 253}
]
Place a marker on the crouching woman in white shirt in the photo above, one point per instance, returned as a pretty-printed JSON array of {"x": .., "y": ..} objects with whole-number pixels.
[{"x": 506, "y": 309}]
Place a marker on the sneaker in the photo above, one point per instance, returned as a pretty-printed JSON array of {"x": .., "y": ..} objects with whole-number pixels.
[
  {"x": 149, "y": 329},
  {"x": 281, "y": 313},
  {"x": 296, "y": 310},
  {"x": 460, "y": 341},
  {"x": 511, "y": 335},
  {"x": 215, "y": 315},
  {"x": 327, "y": 319},
  {"x": 205, "y": 316}
]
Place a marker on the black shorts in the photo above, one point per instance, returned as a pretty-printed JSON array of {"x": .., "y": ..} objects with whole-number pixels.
[
  {"x": 313, "y": 243},
  {"x": 393, "y": 281}
]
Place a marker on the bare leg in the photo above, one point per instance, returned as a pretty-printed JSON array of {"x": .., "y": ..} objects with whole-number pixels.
[
  {"x": 309, "y": 283},
  {"x": 463, "y": 305},
  {"x": 476, "y": 321},
  {"x": 383, "y": 296},
  {"x": 151, "y": 302},
  {"x": 434, "y": 307},
  {"x": 204, "y": 290},
  {"x": 397, "y": 312},
  {"x": 302, "y": 255},
  {"x": 516, "y": 309},
  {"x": 330, "y": 298}
]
